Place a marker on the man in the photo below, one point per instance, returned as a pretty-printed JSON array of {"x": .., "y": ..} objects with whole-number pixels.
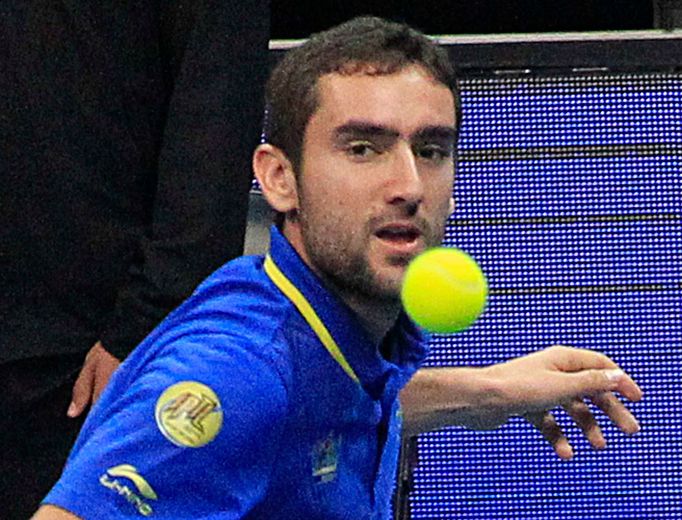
[
  {"x": 126, "y": 133},
  {"x": 273, "y": 391}
]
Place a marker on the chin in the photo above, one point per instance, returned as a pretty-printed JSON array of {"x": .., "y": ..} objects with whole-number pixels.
[{"x": 388, "y": 286}]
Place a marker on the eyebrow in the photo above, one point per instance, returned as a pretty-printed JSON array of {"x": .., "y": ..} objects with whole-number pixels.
[
  {"x": 362, "y": 129},
  {"x": 444, "y": 133},
  {"x": 367, "y": 130}
]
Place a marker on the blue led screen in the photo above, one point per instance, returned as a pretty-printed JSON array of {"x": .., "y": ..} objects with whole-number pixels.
[{"x": 568, "y": 193}]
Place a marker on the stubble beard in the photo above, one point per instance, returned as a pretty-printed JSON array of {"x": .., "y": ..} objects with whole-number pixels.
[{"x": 348, "y": 269}]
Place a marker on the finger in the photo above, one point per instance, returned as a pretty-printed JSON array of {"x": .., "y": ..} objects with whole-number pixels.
[
  {"x": 626, "y": 387},
  {"x": 569, "y": 359},
  {"x": 98, "y": 387},
  {"x": 82, "y": 390},
  {"x": 106, "y": 366},
  {"x": 573, "y": 360},
  {"x": 100, "y": 383},
  {"x": 550, "y": 430},
  {"x": 617, "y": 412},
  {"x": 584, "y": 418},
  {"x": 593, "y": 382},
  {"x": 101, "y": 379}
]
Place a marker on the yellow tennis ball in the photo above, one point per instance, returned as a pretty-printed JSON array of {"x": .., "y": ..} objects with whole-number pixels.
[{"x": 444, "y": 290}]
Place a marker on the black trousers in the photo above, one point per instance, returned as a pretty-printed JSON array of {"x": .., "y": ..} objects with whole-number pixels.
[{"x": 35, "y": 434}]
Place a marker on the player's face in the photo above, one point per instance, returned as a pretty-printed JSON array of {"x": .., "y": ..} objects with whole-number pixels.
[{"x": 376, "y": 177}]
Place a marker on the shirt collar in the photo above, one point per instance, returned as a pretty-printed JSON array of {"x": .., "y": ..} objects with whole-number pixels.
[{"x": 406, "y": 342}]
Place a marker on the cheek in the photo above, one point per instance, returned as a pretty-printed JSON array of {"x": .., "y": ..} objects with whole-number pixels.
[
  {"x": 329, "y": 210},
  {"x": 344, "y": 218},
  {"x": 343, "y": 199},
  {"x": 440, "y": 191}
]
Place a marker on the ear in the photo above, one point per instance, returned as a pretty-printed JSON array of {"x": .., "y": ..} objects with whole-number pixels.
[
  {"x": 276, "y": 177},
  {"x": 452, "y": 206}
]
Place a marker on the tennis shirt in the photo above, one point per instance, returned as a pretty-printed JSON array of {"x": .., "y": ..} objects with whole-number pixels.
[{"x": 262, "y": 396}]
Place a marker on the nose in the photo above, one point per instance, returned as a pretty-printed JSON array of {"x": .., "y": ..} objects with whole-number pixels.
[{"x": 406, "y": 183}]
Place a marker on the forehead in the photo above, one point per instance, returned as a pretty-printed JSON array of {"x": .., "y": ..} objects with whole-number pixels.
[{"x": 405, "y": 100}]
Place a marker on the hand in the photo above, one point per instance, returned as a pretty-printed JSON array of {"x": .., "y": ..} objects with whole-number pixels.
[
  {"x": 93, "y": 378},
  {"x": 563, "y": 377}
]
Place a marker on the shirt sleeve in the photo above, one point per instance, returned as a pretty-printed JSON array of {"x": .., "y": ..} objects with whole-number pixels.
[
  {"x": 194, "y": 434},
  {"x": 214, "y": 56}
]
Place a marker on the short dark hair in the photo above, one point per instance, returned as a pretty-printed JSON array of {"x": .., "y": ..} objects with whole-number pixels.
[{"x": 387, "y": 47}]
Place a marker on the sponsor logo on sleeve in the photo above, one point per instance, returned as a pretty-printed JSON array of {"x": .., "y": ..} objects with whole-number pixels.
[
  {"x": 136, "y": 491},
  {"x": 189, "y": 414}
]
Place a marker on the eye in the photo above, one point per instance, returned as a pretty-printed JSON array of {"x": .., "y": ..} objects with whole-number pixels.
[
  {"x": 432, "y": 152},
  {"x": 361, "y": 149}
]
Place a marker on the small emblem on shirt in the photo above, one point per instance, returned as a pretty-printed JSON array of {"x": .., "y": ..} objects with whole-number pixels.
[
  {"x": 110, "y": 480},
  {"x": 189, "y": 414},
  {"x": 325, "y": 458}
]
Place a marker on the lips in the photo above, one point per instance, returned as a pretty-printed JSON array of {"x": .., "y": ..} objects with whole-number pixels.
[{"x": 399, "y": 234}]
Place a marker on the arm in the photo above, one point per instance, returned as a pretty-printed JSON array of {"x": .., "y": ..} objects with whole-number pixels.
[
  {"x": 531, "y": 386},
  {"x": 214, "y": 59}
]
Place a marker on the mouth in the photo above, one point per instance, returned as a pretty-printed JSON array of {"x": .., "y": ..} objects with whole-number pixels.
[{"x": 404, "y": 237}]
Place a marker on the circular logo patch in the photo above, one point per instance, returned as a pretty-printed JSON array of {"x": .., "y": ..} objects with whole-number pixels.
[{"x": 189, "y": 414}]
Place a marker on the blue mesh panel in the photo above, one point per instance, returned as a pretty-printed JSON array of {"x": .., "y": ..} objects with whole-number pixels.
[{"x": 569, "y": 194}]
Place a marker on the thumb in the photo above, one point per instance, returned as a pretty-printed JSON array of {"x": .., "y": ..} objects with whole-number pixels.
[{"x": 82, "y": 390}]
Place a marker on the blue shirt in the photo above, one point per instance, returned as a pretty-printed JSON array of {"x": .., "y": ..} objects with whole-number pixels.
[{"x": 234, "y": 408}]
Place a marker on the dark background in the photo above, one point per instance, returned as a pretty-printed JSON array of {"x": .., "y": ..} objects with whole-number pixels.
[{"x": 297, "y": 19}]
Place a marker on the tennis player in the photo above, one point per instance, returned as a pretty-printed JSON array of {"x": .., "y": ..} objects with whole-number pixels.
[{"x": 275, "y": 391}]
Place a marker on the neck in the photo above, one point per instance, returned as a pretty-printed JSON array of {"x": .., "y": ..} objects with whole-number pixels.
[{"x": 377, "y": 315}]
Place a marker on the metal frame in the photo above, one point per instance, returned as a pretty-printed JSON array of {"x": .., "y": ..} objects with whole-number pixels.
[{"x": 553, "y": 52}]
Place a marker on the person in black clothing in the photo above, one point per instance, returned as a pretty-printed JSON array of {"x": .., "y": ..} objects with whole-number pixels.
[{"x": 125, "y": 139}]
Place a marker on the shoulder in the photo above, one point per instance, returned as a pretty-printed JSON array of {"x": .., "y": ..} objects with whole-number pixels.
[
  {"x": 227, "y": 340},
  {"x": 234, "y": 316},
  {"x": 231, "y": 341}
]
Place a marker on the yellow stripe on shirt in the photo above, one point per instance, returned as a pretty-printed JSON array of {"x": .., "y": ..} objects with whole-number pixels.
[{"x": 308, "y": 313}]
